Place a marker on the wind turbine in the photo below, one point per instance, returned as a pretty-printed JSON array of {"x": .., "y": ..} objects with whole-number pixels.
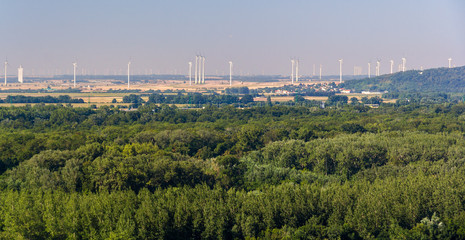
[
  {"x": 190, "y": 73},
  {"x": 196, "y": 68},
  {"x": 20, "y": 74},
  {"x": 297, "y": 70},
  {"x": 450, "y": 62},
  {"x": 129, "y": 72},
  {"x": 6, "y": 68},
  {"x": 369, "y": 70},
  {"x": 292, "y": 71},
  {"x": 340, "y": 70},
  {"x": 321, "y": 68},
  {"x": 203, "y": 70},
  {"x": 377, "y": 68},
  {"x": 74, "y": 70},
  {"x": 230, "y": 72},
  {"x": 403, "y": 64},
  {"x": 392, "y": 65}
]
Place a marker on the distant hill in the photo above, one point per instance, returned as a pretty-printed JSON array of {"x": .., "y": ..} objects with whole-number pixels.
[{"x": 449, "y": 80}]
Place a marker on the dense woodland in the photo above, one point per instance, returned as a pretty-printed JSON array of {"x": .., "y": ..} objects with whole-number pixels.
[
  {"x": 449, "y": 80},
  {"x": 264, "y": 172}
]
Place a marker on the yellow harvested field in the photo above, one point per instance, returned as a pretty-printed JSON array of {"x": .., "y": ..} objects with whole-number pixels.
[
  {"x": 288, "y": 98},
  {"x": 94, "y": 91},
  {"x": 105, "y": 85}
]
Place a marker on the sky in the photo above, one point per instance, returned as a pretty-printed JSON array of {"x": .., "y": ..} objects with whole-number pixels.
[{"x": 259, "y": 36}]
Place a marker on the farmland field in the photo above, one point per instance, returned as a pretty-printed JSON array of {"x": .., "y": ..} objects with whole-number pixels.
[{"x": 96, "y": 92}]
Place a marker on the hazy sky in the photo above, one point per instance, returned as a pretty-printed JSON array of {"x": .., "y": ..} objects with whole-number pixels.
[{"x": 259, "y": 36}]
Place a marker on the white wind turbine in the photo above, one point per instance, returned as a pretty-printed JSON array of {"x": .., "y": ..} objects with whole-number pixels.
[
  {"x": 340, "y": 70},
  {"x": 20, "y": 74},
  {"x": 6, "y": 68},
  {"x": 230, "y": 72},
  {"x": 369, "y": 70},
  {"x": 190, "y": 73},
  {"x": 196, "y": 69},
  {"x": 297, "y": 70},
  {"x": 203, "y": 70},
  {"x": 129, "y": 72},
  {"x": 74, "y": 71},
  {"x": 292, "y": 71}
]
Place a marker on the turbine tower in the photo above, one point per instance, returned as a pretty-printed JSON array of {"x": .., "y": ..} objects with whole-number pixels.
[
  {"x": 196, "y": 69},
  {"x": 403, "y": 64},
  {"x": 321, "y": 68},
  {"x": 203, "y": 70},
  {"x": 6, "y": 68},
  {"x": 392, "y": 65},
  {"x": 369, "y": 70},
  {"x": 129, "y": 72},
  {"x": 190, "y": 73},
  {"x": 450, "y": 62},
  {"x": 20, "y": 74},
  {"x": 199, "y": 71},
  {"x": 199, "y": 78},
  {"x": 297, "y": 70},
  {"x": 340, "y": 70},
  {"x": 230, "y": 72},
  {"x": 292, "y": 71},
  {"x": 74, "y": 70},
  {"x": 377, "y": 68}
]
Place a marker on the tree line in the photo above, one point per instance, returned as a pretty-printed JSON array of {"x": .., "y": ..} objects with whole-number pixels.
[{"x": 42, "y": 99}]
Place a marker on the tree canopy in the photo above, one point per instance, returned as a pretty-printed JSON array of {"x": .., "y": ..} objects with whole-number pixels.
[{"x": 261, "y": 172}]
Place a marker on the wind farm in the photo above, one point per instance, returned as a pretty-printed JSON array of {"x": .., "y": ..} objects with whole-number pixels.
[
  {"x": 317, "y": 69},
  {"x": 232, "y": 119},
  {"x": 106, "y": 89},
  {"x": 201, "y": 78}
]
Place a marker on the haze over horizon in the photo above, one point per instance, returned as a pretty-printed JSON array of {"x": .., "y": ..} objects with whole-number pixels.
[{"x": 259, "y": 36}]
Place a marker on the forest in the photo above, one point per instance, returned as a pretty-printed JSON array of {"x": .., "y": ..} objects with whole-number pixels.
[
  {"x": 447, "y": 80},
  {"x": 268, "y": 171}
]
